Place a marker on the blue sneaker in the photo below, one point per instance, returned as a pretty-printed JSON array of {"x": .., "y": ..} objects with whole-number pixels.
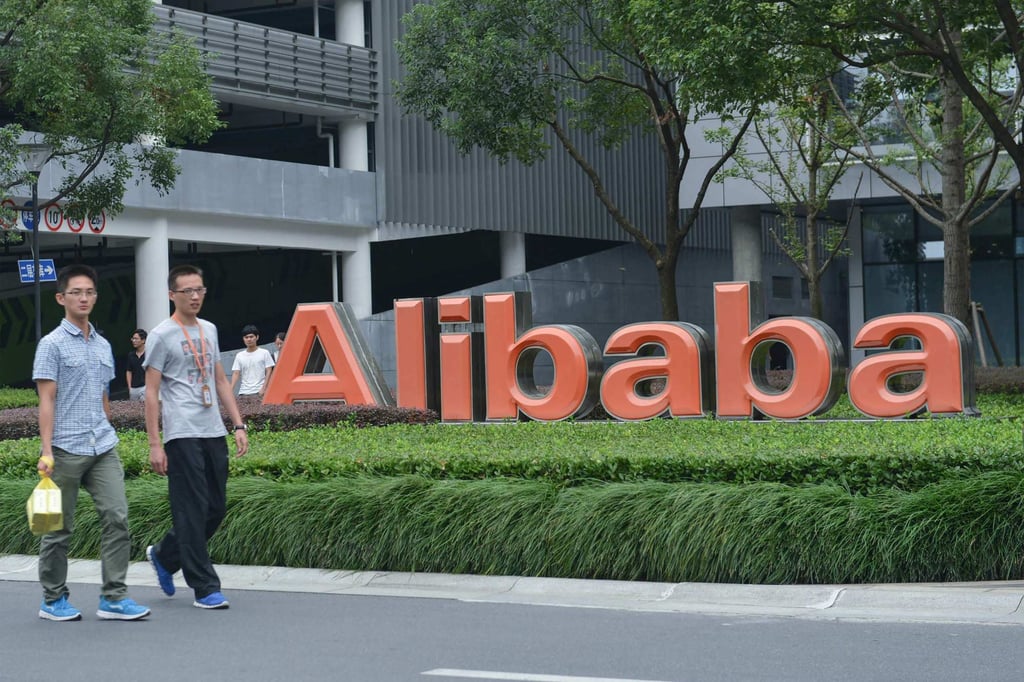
[
  {"x": 214, "y": 600},
  {"x": 125, "y": 609},
  {"x": 59, "y": 609},
  {"x": 163, "y": 577}
]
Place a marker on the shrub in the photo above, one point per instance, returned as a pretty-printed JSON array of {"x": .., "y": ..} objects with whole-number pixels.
[
  {"x": 17, "y": 397},
  {"x": 963, "y": 530},
  {"x": 130, "y": 415},
  {"x": 860, "y": 456},
  {"x": 999, "y": 379}
]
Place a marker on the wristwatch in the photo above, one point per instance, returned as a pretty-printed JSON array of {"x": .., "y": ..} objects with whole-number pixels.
[{"x": 240, "y": 427}]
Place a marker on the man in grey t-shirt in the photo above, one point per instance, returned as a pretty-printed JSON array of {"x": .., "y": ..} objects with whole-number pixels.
[{"x": 184, "y": 381}]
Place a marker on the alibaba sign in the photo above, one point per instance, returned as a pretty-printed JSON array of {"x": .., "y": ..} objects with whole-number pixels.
[{"x": 472, "y": 358}]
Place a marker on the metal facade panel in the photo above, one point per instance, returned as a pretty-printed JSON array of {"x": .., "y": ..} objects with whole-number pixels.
[
  {"x": 254, "y": 64},
  {"x": 711, "y": 231},
  {"x": 425, "y": 181}
]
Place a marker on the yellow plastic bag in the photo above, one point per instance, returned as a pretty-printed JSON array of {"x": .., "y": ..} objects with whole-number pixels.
[{"x": 45, "y": 513}]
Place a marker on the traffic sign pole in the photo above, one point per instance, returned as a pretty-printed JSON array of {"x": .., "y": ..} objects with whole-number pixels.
[{"x": 35, "y": 257}]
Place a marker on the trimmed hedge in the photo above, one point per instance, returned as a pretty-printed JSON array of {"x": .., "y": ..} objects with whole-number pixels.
[
  {"x": 999, "y": 390},
  {"x": 131, "y": 416},
  {"x": 860, "y": 456},
  {"x": 17, "y": 397},
  {"x": 965, "y": 530}
]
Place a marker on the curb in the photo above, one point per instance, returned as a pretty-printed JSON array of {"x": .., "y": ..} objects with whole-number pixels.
[{"x": 996, "y": 603}]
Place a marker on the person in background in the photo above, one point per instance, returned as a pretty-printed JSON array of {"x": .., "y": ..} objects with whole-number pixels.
[
  {"x": 73, "y": 368},
  {"x": 278, "y": 343},
  {"x": 252, "y": 366},
  {"x": 185, "y": 386},
  {"x": 135, "y": 375}
]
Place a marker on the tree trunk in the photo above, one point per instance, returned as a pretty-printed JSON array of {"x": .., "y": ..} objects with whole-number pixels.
[
  {"x": 813, "y": 274},
  {"x": 814, "y": 293},
  {"x": 813, "y": 266},
  {"x": 956, "y": 290},
  {"x": 667, "y": 287}
]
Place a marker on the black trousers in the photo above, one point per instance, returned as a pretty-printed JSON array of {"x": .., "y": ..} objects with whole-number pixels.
[{"x": 197, "y": 475}]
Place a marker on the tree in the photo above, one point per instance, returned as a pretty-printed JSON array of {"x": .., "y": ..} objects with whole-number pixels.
[
  {"x": 920, "y": 61},
  {"x": 938, "y": 134},
  {"x": 514, "y": 76},
  {"x": 805, "y": 141},
  {"x": 796, "y": 156},
  {"x": 977, "y": 44},
  {"x": 93, "y": 79}
]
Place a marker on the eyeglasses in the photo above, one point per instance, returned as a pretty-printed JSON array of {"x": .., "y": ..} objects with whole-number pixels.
[
  {"x": 190, "y": 292},
  {"x": 79, "y": 293}
]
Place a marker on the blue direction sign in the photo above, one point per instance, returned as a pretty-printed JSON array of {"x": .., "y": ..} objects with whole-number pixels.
[{"x": 47, "y": 270}]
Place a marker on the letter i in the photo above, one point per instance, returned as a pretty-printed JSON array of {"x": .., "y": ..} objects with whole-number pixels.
[{"x": 462, "y": 374}]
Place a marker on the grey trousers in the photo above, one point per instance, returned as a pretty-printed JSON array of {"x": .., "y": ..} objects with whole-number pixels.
[{"x": 103, "y": 477}]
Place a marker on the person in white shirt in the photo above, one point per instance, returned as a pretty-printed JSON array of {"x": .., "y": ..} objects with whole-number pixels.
[{"x": 252, "y": 366}]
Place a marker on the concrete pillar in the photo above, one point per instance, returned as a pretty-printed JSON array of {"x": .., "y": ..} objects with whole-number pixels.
[
  {"x": 353, "y": 143},
  {"x": 152, "y": 304},
  {"x": 746, "y": 243},
  {"x": 356, "y": 283},
  {"x": 513, "y": 254},
  {"x": 349, "y": 26}
]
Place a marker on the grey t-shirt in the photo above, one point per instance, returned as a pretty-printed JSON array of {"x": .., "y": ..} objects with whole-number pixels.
[{"x": 181, "y": 389}]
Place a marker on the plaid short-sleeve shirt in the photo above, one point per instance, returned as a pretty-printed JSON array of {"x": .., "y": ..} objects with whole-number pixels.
[{"x": 83, "y": 370}]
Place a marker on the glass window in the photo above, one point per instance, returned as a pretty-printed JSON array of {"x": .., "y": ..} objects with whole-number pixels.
[
  {"x": 1020, "y": 309},
  {"x": 933, "y": 250},
  {"x": 993, "y": 237},
  {"x": 889, "y": 289},
  {"x": 889, "y": 237},
  {"x": 990, "y": 285},
  {"x": 929, "y": 287},
  {"x": 782, "y": 287}
]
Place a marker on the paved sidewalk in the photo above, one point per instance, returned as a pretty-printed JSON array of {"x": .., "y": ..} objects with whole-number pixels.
[{"x": 991, "y": 602}]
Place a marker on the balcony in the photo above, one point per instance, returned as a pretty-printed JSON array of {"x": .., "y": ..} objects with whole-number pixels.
[{"x": 274, "y": 69}]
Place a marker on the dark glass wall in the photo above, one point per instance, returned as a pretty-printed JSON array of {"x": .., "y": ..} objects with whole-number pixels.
[{"x": 903, "y": 271}]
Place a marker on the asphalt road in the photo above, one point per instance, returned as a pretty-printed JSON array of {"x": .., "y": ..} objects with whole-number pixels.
[{"x": 282, "y": 636}]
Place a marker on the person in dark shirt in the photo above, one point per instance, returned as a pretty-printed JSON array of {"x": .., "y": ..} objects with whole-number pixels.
[{"x": 135, "y": 376}]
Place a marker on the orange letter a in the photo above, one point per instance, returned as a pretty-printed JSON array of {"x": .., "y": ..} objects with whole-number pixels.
[{"x": 355, "y": 378}]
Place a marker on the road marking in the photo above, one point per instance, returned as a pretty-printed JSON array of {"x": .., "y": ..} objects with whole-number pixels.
[{"x": 525, "y": 677}]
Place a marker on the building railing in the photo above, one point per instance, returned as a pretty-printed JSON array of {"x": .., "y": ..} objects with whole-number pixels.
[{"x": 277, "y": 69}]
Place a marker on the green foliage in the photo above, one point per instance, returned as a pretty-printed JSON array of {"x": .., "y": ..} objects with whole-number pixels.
[
  {"x": 92, "y": 77},
  {"x": 495, "y": 74},
  {"x": 961, "y": 530},
  {"x": 859, "y": 456},
  {"x": 701, "y": 500},
  {"x": 17, "y": 397},
  {"x": 722, "y": 46}
]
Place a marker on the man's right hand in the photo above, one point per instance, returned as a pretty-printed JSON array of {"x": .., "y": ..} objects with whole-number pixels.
[
  {"x": 158, "y": 459},
  {"x": 45, "y": 465}
]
